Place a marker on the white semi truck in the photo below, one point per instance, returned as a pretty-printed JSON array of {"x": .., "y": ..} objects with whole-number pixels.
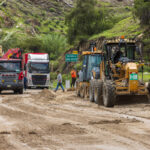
[{"x": 36, "y": 70}]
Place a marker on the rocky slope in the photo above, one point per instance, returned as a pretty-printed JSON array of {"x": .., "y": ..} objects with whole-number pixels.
[
  {"x": 33, "y": 16},
  {"x": 41, "y": 16}
]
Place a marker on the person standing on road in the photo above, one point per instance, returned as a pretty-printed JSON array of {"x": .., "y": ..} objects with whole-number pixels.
[
  {"x": 59, "y": 81},
  {"x": 73, "y": 77}
]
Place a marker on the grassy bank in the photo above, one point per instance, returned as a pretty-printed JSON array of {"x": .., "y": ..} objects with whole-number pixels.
[{"x": 146, "y": 76}]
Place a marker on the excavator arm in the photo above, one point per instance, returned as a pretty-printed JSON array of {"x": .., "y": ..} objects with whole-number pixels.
[{"x": 13, "y": 53}]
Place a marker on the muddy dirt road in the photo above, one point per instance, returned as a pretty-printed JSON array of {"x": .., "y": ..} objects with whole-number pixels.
[{"x": 42, "y": 120}]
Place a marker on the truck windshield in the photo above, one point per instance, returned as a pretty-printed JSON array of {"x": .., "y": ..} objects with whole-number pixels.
[
  {"x": 39, "y": 67},
  {"x": 10, "y": 66}
]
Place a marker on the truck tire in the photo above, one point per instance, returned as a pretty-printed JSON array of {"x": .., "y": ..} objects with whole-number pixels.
[
  {"x": 98, "y": 92},
  {"x": 91, "y": 91},
  {"x": 15, "y": 91},
  {"x": 20, "y": 91},
  {"x": 148, "y": 87},
  {"x": 109, "y": 96}
]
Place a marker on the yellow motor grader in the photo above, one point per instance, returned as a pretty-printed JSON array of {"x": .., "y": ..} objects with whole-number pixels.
[
  {"x": 122, "y": 62},
  {"x": 92, "y": 60}
]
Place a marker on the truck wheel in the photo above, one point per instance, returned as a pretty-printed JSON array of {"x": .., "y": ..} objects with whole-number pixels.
[
  {"x": 91, "y": 91},
  {"x": 109, "y": 96},
  {"x": 148, "y": 87},
  {"x": 98, "y": 92},
  {"x": 20, "y": 91},
  {"x": 15, "y": 91},
  {"x": 45, "y": 88}
]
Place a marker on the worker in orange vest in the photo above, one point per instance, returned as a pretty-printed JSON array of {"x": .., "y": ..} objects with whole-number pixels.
[{"x": 73, "y": 77}]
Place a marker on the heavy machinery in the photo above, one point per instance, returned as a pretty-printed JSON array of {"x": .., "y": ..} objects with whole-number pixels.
[
  {"x": 11, "y": 71},
  {"x": 122, "y": 62},
  {"x": 90, "y": 71}
]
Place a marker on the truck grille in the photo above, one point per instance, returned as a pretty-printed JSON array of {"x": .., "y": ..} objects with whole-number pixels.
[
  {"x": 9, "y": 78},
  {"x": 39, "y": 79}
]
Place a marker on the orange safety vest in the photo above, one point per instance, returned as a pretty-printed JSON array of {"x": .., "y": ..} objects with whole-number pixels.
[{"x": 73, "y": 74}]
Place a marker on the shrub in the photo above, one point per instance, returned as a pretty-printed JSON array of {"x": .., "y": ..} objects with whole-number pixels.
[
  {"x": 55, "y": 65},
  {"x": 85, "y": 20},
  {"x": 31, "y": 43},
  {"x": 142, "y": 11},
  {"x": 66, "y": 77},
  {"x": 78, "y": 66},
  {"x": 52, "y": 9},
  {"x": 54, "y": 44},
  {"x": 53, "y": 76}
]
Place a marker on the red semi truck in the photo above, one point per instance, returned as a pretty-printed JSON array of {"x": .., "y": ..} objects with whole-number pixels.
[
  {"x": 11, "y": 71},
  {"x": 36, "y": 70}
]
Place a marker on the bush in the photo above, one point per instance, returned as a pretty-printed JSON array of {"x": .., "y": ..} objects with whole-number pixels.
[
  {"x": 54, "y": 45},
  {"x": 78, "y": 66},
  {"x": 9, "y": 41},
  {"x": 12, "y": 40},
  {"x": 53, "y": 76},
  {"x": 142, "y": 11},
  {"x": 55, "y": 65},
  {"x": 86, "y": 20},
  {"x": 66, "y": 77},
  {"x": 146, "y": 68},
  {"x": 52, "y": 9}
]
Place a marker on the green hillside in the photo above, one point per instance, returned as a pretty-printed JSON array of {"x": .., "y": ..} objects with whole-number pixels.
[
  {"x": 26, "y": 23},
  {"x": 31, "y": 16}
]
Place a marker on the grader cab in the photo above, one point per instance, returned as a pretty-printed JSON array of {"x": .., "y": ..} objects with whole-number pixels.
[{"x": 123, "y": 60}]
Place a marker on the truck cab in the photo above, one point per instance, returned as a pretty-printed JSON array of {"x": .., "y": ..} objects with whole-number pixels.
[
  {"x": 11, "y": 75},
  {"x": 36, "y": 70}
]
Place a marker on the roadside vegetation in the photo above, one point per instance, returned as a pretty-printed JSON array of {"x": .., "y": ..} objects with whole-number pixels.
[{"x": 146, "y": 76}]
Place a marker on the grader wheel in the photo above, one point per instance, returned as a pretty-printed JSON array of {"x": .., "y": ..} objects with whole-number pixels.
[
  {"x": 109, "y": 96},
  {"x": 87, "y": 92},
  {"x": 77, "y": 89},
  {"x": 82, "y": 91},
  {"x": 98, "y": 93},
  {"x": 91, "y": 91}
]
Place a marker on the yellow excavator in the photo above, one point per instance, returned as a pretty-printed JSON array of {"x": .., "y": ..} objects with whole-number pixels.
[{"x": 122, "y": 62}]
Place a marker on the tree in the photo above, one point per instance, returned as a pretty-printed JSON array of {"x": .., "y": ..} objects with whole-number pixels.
[
  {"x": 53, "y": 44},
  {"x": 84, "y": 20},
  {"x": 142, "y": 11},
  {"x": 32, "y": 44}
]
